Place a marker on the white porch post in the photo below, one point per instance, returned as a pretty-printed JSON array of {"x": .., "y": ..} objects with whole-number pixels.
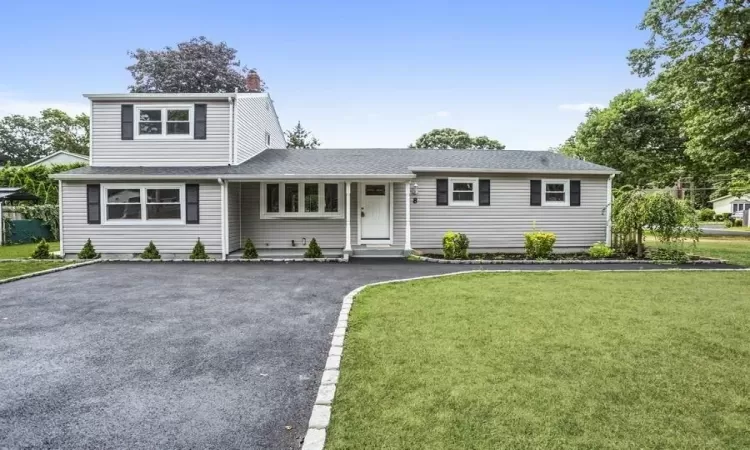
[
  {"x": 348, "y": 247},
  {"x": 224, "y": 210},
  {"x": 60, "y": 218},
  {"x": 407, "y": 234},
  {"x": 609, "y": 210}
]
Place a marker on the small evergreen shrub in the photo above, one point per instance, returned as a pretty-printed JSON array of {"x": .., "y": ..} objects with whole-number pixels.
[
  {"x": 88, "y": 251},
  {"x": 150, "y": 252},
  {"x": 455, "y": 245},
  {"x": 729, "y": 223},
  {"x": 313, "y": 250},
  {"x": 706, "y": 214},
  {"x": 669, "y": 254},
  {"x": 600, "y": 250},
  {"x": 249, "y": 251},
  {"x": 199, "y": 251},
  {"x": 539, "y": 244},
  {"x": 41, "y": 251},
  {"x": 737, "y": 222}
]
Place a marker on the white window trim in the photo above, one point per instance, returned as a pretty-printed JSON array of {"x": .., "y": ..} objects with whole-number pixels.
[
  {"x": 144, "y": 220},
  {"x": 301, "y": 214},
  {"x": 566, "y": 184},
  {"x": 163, "y": 108},
  {"x": 475, "y": 190}
]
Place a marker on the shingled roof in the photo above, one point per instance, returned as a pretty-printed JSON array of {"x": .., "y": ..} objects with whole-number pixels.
[{"x": 352, "y": 163}]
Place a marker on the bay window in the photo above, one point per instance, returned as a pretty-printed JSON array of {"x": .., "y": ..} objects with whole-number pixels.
[{"x": 301, "y": 200}]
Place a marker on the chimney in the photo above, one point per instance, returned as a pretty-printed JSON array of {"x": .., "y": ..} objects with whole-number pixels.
[{"x": 253, "y": 82}]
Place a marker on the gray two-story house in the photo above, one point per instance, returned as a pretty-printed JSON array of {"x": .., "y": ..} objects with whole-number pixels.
[{"x": 175, "y": 168}]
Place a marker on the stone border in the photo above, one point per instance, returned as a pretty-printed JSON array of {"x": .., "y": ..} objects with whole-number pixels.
[
  {"x": 52, "y": 270},
  {"x": 225, "y": 261},
  {"x": 320, "y": 417},
  {"x": 703, "y": 260}
]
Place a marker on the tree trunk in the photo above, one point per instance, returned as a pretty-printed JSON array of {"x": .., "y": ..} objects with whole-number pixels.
[{"x": 639, "y": 243}]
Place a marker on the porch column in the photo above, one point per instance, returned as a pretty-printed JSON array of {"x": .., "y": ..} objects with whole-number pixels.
[
  {"x": 348, "y": 246},
  {"x": 609, "y": 210},
  {"x": 224, "y": 214},
  {"x": 407, "y": 234}
]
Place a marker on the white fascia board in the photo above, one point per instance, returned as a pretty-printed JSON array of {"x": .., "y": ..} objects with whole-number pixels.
[
  {"x": 529, "y": 171},
  {"x": 233, "y": 177},
  {"x": 160, "y": 96}
]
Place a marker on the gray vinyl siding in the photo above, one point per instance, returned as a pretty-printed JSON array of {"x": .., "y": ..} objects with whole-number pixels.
[
  {"x": 130, "y": 239},
  {"x": 278, "y": 233},
  {"x": 256, "y": 116},
  {"x": 108, "y": 149},
  {"x": 503, "y": 224},
  {"x": 234, "y": 215}
]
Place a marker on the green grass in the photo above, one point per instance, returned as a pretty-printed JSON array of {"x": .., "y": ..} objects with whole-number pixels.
[
  {"x": 548, "y": 360},
  {"x": 23, "y": 250},
  {"x": 15, "y": 268},
  {"x": 736, "y": 250}
]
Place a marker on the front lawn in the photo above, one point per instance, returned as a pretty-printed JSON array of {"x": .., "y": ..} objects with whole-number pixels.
[
  {"x": 548, "y": 360},
  {"x": 23, "y": 250},
  {"x": 9, "y": 269},
  {"x": 736, "y": 250}
]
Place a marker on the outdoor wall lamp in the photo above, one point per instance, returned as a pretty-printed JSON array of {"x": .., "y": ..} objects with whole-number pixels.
[{"x": 414, "y": 192}]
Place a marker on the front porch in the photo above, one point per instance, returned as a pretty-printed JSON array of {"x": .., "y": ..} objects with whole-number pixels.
[{"x": 363, "y": 218}]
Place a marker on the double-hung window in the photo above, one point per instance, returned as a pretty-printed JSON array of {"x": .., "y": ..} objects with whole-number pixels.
[
  {"x": 463, "y": 191},
  {"x": 163, "y": 122},
  {"x": 132, "y": 204},
  {"x": 555, "y": 193},
  {"x": 301, "y": 200}
]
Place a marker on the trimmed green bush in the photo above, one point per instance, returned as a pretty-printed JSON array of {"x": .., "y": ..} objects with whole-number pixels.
[
  {"x": 150, "y": 252},
  {"x": 199, "y": 251},
  {"x": 729, "y": 223},
  {"x": 737, "y": 222},
  {"x": 600, "y": 250},
  {"x": 706, "y": 214},
  {"x": 455, "y": 245},
  {"x": 88, "y": 251},
  {"x": 41, "y": 251},
  {"x": 249, "y": 251},
  {"x": 313, "y": 250},
  {"x": 722, "y": 217},
  {"x": 539, "y": 244},
  {"x": 669, "y": 254}
]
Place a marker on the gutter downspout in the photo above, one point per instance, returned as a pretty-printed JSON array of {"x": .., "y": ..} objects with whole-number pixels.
[
  {"x": 609, "y": 210},
  {"x": 223, "y": 218},
  {"x": 231, "y": 131}
]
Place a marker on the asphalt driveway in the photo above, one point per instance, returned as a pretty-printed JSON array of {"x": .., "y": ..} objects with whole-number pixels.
[{"x": 174, "y": 355}]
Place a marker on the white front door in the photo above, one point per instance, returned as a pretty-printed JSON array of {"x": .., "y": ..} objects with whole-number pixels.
[{"x": 374, "y": 211}]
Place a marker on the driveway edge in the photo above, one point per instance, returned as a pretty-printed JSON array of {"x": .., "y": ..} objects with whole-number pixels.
[
  {"x": 45, "y": 272},
  {"x": 320, "y": 417}
]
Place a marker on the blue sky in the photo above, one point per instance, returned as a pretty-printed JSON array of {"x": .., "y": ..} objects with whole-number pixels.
[{"x": 357, "y": 74}]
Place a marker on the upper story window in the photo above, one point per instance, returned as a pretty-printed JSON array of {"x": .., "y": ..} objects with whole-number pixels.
[{"x": 163, "y": 122}]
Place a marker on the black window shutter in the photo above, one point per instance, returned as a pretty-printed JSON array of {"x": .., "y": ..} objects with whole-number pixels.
[
  {"x": 93, "y": 204},
  {"x": 442, "y": 191},
  {"x": 484, "y": 192},
  {"x": 536, "y": 192},
  {"x": 126, "y": 122},
  {"x": 575, "y": 192},
  {"x": 199, "y": 131},
  {"x": 192, "y": 204}
]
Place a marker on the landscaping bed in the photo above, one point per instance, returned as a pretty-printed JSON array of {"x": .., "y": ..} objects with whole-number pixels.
[{"x": 558, "y": 258}]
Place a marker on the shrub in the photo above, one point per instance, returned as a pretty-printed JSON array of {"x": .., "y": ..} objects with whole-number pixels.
[
  {"x": 249, "y": 251},
  {"x": 455, "y": 246},
  {"x": 706, "y": 214},
  {"x": 723, "y": 216},
  {"x": 539, "y": 244},
  {"x": 199, "y": 251},
  {"x": 88, "y": 251},
  {"x": 600, "y": 250},
  {"x": 737, "y": 222},
  {"x": 670, "y": 254},
  {"x": 729, "y": 223},
  {"x": 313, "y": 250},
  {"x": 41, "y": 251},
  {"x": 150, "y": 252}
]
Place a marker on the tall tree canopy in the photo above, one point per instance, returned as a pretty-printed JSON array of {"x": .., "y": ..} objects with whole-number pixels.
[
  {"x": 452, "y": 138},
  {"x": 299, "y": 137},
  {"x": 24, "y": 139},
  {"x": 635, "y": 134},
  {"x": 197, "y": 65},
  {"x": 700, "y": 53}
]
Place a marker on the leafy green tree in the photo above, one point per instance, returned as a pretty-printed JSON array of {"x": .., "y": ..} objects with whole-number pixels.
[
  {"x": 457, "y": 139},
  {"x": 197, "y": 65},
  {"x": 699, "y": 51},
  {"x": 299, "y": 137},
  {"x": 68, "y": 133},
  {"x": 24, "y": 139},
  {"x": 635, "y": 134}
]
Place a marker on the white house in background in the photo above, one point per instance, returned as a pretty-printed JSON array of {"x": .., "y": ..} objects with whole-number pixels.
[
  {"x": 731, "y": 204},
  {"x": 60, "y": 157}
]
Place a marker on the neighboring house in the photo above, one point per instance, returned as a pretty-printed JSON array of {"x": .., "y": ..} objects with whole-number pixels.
[
  {"x": 173, "y": 168},
  {"x": 731, "y": 204},
  {"x": 60, "y": 157}
]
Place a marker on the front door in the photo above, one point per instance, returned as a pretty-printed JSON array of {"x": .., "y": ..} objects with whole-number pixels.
[{"x": 374, "y": 212}]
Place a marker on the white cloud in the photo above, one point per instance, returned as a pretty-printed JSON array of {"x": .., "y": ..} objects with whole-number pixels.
[
  {"x": 442, "y": 114},
  {"x": 13, "y": 103},
  {"x": 579, "y": 107}
]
